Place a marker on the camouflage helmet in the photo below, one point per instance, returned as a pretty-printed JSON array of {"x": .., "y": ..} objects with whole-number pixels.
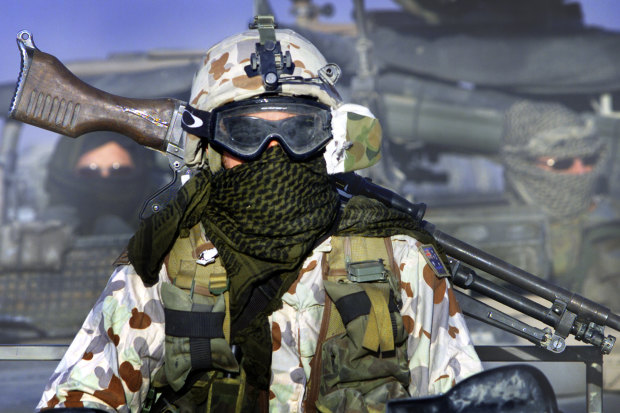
[{"x": 223, "y": 79}]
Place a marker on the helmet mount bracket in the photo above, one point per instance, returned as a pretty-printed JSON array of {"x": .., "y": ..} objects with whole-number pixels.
[{"x": 268, "y": 59}]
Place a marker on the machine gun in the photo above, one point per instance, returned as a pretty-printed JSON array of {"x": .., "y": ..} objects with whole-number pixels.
[
  {"x": 49, "y": 96},
  {"x": 569, "y": 313}
]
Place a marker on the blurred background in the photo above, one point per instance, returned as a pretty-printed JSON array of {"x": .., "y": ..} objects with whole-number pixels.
[{"x": 501, "y": 115}]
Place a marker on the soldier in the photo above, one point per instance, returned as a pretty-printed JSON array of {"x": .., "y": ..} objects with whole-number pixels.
[
  {"x": 98, "y": 184},
  {"x": 254, "y": 289},
  {"x": 553, "y": 159}
]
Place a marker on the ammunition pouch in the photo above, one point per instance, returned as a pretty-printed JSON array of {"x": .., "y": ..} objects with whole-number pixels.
[
  {"x": 195, "y": 338},
  {"x": 361, "y": 361},
  {"x": 365, "y": 366}
]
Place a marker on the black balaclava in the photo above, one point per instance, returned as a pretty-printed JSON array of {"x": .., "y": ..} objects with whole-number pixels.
[{"x": 109, "y": 204}]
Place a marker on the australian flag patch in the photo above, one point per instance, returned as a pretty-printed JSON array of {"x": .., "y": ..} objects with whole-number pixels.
[{"x": 433, "y": 260}]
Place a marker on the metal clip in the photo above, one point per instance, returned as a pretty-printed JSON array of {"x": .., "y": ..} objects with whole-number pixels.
[
  {"x": 268, "y": 59},
  {"x": 366, "y": 271},
  {"x": 330, "y": 73}
]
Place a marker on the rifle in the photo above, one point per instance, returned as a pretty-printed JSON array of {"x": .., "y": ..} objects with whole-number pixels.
[{"x": 49, "y": 96}]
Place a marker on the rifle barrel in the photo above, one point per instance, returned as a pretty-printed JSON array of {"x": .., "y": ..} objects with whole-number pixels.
[
  {"x": 477, "y": 258},
  {"x": 467, "y": 278}
]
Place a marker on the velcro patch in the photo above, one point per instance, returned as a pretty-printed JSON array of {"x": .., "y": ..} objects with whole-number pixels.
[{"x": 433, "y": 260}]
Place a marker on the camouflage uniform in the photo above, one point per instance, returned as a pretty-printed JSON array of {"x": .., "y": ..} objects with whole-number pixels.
[{"x": 120, "y": 347}]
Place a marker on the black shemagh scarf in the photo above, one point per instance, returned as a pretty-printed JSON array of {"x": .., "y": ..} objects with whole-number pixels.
[{"x": 264, "y": 217}]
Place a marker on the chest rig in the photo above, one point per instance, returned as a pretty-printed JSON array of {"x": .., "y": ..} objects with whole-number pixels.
[
  {"x": 361, "y": 357},
  {"x": 361, "y": 324}
]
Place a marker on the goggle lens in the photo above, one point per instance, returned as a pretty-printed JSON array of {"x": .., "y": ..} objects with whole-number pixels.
[
  {"x": 247, "y": 135},
  {"x": 244, "y": 129}
]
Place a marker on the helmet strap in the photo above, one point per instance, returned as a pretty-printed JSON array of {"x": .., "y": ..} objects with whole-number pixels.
[
  {"x": 214, "y": 158},
  {"x": 266, "y": 26}
]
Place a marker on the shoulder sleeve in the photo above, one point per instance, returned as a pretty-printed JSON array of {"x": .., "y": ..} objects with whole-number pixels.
[
  {"x": 439, "y": 347},
  {"x": 120, "y": 346}
]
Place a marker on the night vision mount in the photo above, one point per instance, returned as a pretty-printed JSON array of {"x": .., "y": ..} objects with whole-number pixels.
[{"x": 268, "y": 60}]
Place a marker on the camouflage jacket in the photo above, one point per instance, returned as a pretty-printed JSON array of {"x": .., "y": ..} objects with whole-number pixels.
[
  {"x": 595, "y": 273},
  {"x": 120, "y": 347}
]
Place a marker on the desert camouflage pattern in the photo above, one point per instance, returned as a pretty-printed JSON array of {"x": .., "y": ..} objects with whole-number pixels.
[
  {"x": 222, "y": 79},
  {"x": 356, "y": 139},
  {"x": 121, "y": 344},
  {"x": 113, "y": 356}
]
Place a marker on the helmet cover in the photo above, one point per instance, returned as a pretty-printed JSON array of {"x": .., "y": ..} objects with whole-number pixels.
[{"x": 223, "y": 79}]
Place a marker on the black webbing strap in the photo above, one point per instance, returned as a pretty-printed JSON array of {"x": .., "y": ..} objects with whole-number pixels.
[
  {"x": 200, "y": 353},
  {"x": 196, "y": 121},
  {"x": 354, "y": 305},
  {"x": 194, "y": 324}
]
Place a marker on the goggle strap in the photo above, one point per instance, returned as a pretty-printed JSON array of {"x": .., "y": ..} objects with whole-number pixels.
[{"x": 196, "y": 121}]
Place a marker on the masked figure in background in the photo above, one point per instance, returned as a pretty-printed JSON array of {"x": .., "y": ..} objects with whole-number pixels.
[
  {"x": 256, "y": 288},
  {"x": 554, "y": 160},
  {"x": 99, "y": 183}
]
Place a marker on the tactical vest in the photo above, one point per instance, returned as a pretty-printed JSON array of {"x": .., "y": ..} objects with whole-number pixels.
[{"x": 361, "y": 355}]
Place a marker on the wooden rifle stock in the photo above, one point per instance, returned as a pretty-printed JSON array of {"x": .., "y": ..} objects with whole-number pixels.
[{"x": 49, "y": 96}]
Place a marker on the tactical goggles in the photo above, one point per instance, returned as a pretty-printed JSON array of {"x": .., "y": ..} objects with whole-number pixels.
[{"x": 244, "y": 129}]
